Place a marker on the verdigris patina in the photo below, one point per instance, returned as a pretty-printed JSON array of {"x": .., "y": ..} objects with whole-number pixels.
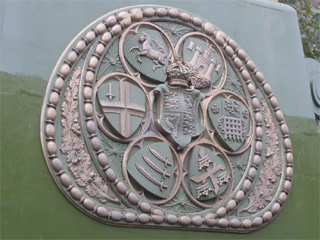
[{"x": 154, "y": 116}]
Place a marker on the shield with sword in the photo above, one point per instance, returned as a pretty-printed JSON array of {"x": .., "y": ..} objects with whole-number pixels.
[{"x": 153, "y": 168}]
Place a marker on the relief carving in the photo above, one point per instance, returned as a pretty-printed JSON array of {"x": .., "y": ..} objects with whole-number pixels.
[
  {"x": 73, "y": 146},
  {"x": 159, "y": 108},
  {"x": 263, "y": 193},
  {"x": 157, "y": 56}
]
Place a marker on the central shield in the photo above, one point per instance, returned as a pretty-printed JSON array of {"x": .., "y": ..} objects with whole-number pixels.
[{"x": 178, "y": 114}]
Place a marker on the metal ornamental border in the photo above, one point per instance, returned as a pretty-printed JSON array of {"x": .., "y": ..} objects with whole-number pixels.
[{"x": 154, "y": 117}]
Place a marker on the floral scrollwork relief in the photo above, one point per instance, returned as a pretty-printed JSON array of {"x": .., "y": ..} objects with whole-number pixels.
[
  {"x": 79, "y": 161},
  {"x": 264, "y": 192}
]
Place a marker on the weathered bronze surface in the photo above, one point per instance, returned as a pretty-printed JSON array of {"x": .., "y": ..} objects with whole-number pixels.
[{"x": 155, "y": 118}]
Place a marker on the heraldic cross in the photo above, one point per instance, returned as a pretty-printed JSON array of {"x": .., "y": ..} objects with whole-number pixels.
[
  {"x": 208, "y": 174},
  {"x": 124, "y": 107}
]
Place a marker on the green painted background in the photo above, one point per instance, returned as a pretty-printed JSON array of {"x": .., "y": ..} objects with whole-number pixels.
[{"x": 34, "y": 34}]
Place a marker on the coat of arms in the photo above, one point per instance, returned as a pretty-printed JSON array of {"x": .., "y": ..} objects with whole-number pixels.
[
  {"x": 155, "y": 117},
  {"x": 230, "y": 117},
  {"x": 178, "y": 113}
]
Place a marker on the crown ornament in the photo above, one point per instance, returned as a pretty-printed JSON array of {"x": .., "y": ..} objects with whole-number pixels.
[
  {"x": 196, "y": 73},
  {"x": 178, "y": 74}
]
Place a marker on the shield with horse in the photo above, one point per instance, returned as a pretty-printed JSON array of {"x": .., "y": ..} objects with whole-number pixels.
[{"x": 147, "y": 53}]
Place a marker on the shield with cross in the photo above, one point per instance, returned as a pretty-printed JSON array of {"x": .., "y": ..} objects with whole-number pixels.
[
  {"x": 123, "y": 105},
  {"x": 209, "y": 176}
]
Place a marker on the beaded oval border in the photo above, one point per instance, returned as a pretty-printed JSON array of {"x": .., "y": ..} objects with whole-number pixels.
[{"x": 108, "y": 27}]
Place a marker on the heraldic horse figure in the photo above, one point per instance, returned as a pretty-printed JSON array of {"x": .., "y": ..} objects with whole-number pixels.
[{"x": 158, "y": 57}]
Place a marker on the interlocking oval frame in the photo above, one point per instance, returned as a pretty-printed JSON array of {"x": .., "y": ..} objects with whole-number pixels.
[
  {"x": 137, "y": 211},
  {"x": 217, "y": 151}
]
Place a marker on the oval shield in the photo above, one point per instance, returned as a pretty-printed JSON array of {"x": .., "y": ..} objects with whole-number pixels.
[
  {"x": 204, "y": 59},
  {"x": 208, "y": 174},
  {"x": 230, "y": 118},
  {"x": 147, "y": 50},
  {"x": 122, "y": 106},
  {"x": 152, "y": 167}
]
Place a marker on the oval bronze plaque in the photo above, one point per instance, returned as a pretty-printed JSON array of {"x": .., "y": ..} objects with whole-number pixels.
[{"x": 155, "y": 117}]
